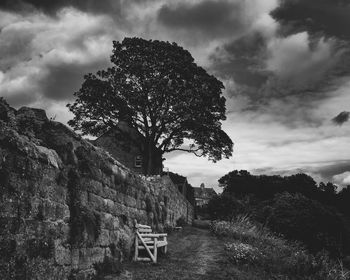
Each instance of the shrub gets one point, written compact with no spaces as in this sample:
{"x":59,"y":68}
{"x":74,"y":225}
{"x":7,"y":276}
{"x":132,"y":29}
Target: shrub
{"x":242,"y":253}
{"x":304,"y":219}
{"x":277,"y":258}
{"x":224,"y":207}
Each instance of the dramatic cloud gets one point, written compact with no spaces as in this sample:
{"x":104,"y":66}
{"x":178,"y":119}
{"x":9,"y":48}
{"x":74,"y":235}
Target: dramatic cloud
{"x":285,"y":65}
{"x":341,"y":118}
{"x":45,"y":57}
{"x":330,"y":17}
{"x":51,"y":7}
{"x":213,"y":18}
{"x":299,"y":66}
{"x":342,"y":179}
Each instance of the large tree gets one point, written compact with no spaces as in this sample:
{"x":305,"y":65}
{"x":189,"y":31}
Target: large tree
{"x":157,"y":88}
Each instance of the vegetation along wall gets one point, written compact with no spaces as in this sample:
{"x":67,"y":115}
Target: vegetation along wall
{"x":66,"y":206}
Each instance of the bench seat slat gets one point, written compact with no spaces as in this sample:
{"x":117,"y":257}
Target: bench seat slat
{"x":145,"y":230}
{"x":162,"y":243}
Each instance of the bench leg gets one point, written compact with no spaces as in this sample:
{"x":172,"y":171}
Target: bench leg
{"x":155,"y":250}
{"x":165,"y":249}
{"x":136,"y":249}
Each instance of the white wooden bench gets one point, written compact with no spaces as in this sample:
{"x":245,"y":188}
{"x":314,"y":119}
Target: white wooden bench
{"x":146,"y":240}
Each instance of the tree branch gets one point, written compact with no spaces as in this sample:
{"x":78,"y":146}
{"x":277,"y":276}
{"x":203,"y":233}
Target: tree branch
{"x":187,"y":150}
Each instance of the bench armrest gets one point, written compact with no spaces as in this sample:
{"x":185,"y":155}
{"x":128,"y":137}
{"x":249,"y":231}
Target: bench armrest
{"x":154,"y":235}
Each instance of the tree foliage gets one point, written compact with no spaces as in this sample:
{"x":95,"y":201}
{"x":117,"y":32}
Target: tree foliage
{"x":156,"y":88}
{"x":291,"y":205}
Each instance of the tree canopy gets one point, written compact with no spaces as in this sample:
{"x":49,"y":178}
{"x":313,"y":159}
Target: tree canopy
{"x":156,"y":88}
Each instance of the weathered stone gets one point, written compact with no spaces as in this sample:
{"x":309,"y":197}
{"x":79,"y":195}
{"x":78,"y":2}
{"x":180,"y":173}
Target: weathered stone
{"x":69,"y":188}
{"x":62,"y":211}
{"x":50,"y":156}
{"x":109,"y":204}
{"x":49,"y":210}
{"x":75,"y":258}
{"x":130,"y":201}
{"x":62,"y":255}
{"x":115,"y":223}
{"x":107,"y":221}
{"x":114,"y":237}
{"x":84,"y":262}
{"x":103,"y":239}
{"x":96,"y":202}
{"x":85,"y":274}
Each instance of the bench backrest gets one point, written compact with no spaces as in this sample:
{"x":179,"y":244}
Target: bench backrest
{"x":143,"y":228}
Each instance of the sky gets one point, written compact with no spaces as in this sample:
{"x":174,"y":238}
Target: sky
{"x":285,"y":66}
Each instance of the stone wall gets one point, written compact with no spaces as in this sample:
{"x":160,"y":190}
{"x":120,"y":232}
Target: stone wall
{"x":68,"y":207}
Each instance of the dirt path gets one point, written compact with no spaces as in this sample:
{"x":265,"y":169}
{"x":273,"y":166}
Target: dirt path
{"x":192,"y":254}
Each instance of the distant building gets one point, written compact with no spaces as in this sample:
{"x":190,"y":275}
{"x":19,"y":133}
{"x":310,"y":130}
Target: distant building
{"x":124,"y":147}
{"x":202,"y":195}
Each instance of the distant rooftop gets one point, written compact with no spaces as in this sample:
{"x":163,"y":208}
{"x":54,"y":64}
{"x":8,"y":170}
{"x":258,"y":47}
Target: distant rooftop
{"x":203,"y":192}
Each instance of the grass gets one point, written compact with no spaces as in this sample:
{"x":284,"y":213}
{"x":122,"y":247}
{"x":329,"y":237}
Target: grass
{"x":249,"y":245}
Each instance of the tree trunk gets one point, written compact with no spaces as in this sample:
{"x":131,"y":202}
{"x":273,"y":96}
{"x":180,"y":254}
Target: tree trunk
{"x":149,"y":160}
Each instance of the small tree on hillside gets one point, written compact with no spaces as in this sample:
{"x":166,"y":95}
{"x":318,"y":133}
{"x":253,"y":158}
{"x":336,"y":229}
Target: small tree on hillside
{"x":156,"y":88}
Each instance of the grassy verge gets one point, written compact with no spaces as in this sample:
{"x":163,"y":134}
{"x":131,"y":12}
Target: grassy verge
{"x":252,"y":247}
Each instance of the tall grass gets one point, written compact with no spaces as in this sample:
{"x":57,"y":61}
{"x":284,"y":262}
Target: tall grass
{"x":248,"y":243}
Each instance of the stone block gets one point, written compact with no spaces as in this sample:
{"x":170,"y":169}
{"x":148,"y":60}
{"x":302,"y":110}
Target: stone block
{"x":92,"y":186}
{"x":109,"y":193}
{"x":97,"y":254}
{"x":108,"y":252}
{"x":84,"y":258}
{"x":62,"y":255}
{"x":50,"y":156}
{"x":114,"y":237}
{"x":75,"y":258}
{"x":115,"y":223}
{"x":85,"y":274}
{"x":107,"y":220}
{"x":103,"y":238}
{"x":119,"y":198}
{"x":96,"y":202}
{"x":49,"y":210}
{"x":130,"y":201}
{"x":84,"y":198}
{"x":62,"y":231}
{"x":62,"y":212}
{"x":109,"y":205}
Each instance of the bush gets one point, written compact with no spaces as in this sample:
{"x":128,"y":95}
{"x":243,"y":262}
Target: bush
{"x":277,"y":258}
{"x":224,"y":207}
{"x":242,"y":253}
{"x":304,"y":219}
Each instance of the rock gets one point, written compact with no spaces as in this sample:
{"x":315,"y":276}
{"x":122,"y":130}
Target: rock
{"x":7,"y":114}
{"x":50,"y":156}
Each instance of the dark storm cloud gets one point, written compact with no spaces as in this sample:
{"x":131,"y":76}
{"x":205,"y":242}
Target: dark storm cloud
{"x":296,"y":66}
{"x":44,"y":58}
{"x":330,"y":17}
{"x":21,"y":98}
{"x":276,"y":72}
{"x":214,"y":18}
{"x":51,"y":7}
{"x":342,"y":118}
{"x":64,"y":79}
{"x":242,"y":60}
